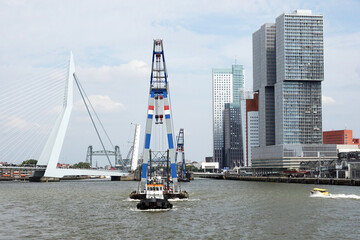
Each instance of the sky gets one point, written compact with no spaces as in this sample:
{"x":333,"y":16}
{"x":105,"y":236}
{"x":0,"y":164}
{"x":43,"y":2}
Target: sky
{"x":112,"y":46}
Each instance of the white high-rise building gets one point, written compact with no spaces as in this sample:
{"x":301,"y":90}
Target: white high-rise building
{"x":250,"y":125}
{"x":252,"y":133}
{"x":227,"y":86}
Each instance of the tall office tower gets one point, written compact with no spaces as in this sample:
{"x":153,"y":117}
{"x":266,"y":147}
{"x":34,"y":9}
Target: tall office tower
{"x":299,"y":72}
{"x":227,"y":84}
{"x":238,"y":84}
{"x":233,"y":143}
{"x":264,"y":75}
{"x":252,"y":134}
{"x":289,"y":91}
{"x":288,"y":70}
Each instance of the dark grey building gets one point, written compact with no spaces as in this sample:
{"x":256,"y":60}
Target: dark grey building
{"x":264,"y":75}
{"x":233,"y":145}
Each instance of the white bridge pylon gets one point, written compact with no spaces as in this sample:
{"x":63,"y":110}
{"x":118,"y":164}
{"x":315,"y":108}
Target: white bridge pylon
{"x":51,"y":152}
{"x":135,"y":155}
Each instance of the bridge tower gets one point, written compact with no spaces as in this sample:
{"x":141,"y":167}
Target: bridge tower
{"x":159,"y":107}
{"x":135,"y":148}
{"x":51,"y":152}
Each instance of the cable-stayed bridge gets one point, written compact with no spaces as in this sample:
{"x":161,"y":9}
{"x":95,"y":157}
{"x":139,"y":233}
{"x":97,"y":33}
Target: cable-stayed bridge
{"x":25,"y":119}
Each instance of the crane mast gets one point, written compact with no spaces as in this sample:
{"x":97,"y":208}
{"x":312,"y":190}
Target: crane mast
{"x":159,"y":112}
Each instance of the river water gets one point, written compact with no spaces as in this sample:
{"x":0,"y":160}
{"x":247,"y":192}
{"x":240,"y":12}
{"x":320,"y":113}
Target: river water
{"x":216,"y":209}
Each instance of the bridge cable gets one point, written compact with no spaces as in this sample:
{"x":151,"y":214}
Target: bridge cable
{"x":19,"y":122}
{"x":92,"y":120}
{"x":102,"y":126}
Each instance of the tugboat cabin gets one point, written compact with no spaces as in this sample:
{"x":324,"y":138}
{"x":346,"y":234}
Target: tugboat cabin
{"x":155,"y":191}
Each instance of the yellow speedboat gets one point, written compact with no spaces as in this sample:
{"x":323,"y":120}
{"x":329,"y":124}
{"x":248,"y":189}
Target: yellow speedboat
{"x":320,"y":190}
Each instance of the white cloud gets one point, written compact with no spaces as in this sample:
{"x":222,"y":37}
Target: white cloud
{"x":101,"y":104}
{"x":123,"y":72}
{"x":55,"y":110}
{"x":15,"y":122}
{"x":327,"y":100}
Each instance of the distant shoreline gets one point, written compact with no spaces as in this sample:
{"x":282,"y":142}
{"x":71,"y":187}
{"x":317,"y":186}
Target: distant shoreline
{"x":299,"y":180}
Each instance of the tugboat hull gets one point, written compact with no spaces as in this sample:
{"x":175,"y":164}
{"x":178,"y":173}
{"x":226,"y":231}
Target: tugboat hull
{"x":153,"y":203}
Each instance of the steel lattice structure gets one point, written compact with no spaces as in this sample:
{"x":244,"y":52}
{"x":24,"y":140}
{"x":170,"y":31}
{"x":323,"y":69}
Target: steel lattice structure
{"x":159,"y":108}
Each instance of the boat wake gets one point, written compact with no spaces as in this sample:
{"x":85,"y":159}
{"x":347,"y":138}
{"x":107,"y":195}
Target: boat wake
{"x":131,"y":200}
{"x":337,"y":196}
{"x":150,"y":210}
{"x":183,"y":200}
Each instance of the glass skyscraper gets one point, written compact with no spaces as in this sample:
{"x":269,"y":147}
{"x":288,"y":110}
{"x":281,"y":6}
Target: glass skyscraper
{"x":227,"y":86}
{"x":238,"y":84}
{"x":299,"y":72}
{"x":288,"y":59}
{"x":233,"y":143}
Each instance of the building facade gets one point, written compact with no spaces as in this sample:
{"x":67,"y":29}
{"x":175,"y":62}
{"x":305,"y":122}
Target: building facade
{"x":252,"y":137}
{"x":288,"y":59}
{"x":238,"y":85}
{"x":285,"y":156}
{"x":252,"y":127}
{"x":233,"y":136}
{"x":264,"y":75}
{"x":340,"y":137}
{"x":227,"y":86}
{"x":299,"y":73}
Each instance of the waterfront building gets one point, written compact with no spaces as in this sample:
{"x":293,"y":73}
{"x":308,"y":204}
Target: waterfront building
{"x":227,"y":87}
{"x":288,"y":59}
{"x":210,"y":166}
{"x":249,"y":126}
{"x":272,"y":159}
{"x":299,"y":73}
{"x":252,"y":127}
{"x":264,"y":79}
{"x":340,"y":137}
{"x":233,"y":144}
{"x":209,"y":159}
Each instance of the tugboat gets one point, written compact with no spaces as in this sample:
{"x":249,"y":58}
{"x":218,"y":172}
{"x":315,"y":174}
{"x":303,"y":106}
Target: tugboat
{"x":154,"y":198}
{"x":168,"y":192}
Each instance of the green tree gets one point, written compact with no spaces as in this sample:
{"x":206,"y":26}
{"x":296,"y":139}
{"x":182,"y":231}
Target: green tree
{"x":191,"y":168}
{"x":29,"y":162}
{"x":81,"y":165}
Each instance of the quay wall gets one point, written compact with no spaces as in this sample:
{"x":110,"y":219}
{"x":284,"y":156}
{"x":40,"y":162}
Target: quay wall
{"x":299,"y":180}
